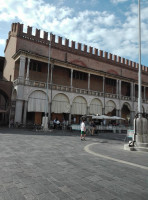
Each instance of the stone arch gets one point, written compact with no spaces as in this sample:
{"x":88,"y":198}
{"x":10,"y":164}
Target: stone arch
{"x":127,"y":104}
{"x":60,"y":103}
{"x":37,"y":101}
{"x":79,"y":106}
{"x":96,"y":106}
{"x":125,"y":111}
{"x":110,"y":108}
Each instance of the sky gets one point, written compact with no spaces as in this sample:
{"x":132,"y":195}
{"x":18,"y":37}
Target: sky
{"x":108,"y":25}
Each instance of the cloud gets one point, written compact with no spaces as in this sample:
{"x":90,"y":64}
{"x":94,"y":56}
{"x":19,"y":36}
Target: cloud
{"x":118,"y":1}
{"x":2,"y":41}
{"x":102,"y":30}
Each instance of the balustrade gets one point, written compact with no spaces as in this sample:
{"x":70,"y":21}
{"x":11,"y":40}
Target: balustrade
{"x":39,"y":84}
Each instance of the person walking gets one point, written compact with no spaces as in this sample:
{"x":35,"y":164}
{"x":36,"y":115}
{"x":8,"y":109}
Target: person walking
{"x":83,"y":130}
{"x":93,"y":126}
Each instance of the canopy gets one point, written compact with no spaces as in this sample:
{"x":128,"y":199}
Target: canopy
{"x":87,"y":116}
{"x":102,"y":117}
{"x":108,"y":117}
{"x":37,"y":102}
{"x":60,"y":104}
{"x":79,"y":106}
{"x":117,"y":118}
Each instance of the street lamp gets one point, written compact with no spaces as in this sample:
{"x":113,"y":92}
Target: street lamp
{"x":45,"y":118}
{"x":139,"y":74}
{"x":140,"y":123}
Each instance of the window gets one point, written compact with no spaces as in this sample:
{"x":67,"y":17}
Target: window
{"x":79,"y":75}
{"x":35,"y":66}
{"x":111,"y":82}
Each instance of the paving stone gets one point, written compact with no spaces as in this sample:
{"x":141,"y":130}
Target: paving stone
{"x":38,"y":188}
{"x":61,"y":195}
{"x":5,"y":196}
{"x":29,"y":197}
{"x":47,"y":166}
{"x":47,"y":196}
{"x":15,"y":194}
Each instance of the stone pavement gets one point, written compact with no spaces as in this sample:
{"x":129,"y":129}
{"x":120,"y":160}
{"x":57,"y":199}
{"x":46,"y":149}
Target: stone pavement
{"x":58,"y":166}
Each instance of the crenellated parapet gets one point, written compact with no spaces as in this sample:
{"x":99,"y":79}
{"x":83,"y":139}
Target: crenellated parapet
{"x":65,"y":44}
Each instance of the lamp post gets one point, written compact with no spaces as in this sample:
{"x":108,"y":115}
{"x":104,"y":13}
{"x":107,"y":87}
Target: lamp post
{"x":139,"y":74}
{"x":141,"y":123}
{"x":45,"y":118}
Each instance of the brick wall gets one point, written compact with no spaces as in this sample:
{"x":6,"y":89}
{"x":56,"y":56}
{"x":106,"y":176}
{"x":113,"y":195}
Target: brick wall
{"x":96,"y":83}
{"x":6,"y":87}
{"x":61,"y":76}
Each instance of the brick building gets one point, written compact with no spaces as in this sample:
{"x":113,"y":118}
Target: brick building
{"x":82,"y":80}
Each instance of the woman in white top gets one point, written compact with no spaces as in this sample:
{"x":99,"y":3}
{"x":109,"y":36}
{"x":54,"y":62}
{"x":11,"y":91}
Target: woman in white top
{"x":83,"y":129}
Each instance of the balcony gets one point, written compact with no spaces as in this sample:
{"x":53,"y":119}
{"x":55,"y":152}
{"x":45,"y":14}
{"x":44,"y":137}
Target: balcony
{"x":63,"y":88}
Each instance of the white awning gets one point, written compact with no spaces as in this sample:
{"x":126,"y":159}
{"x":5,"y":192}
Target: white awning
{"x":109,"y":107}
{"x":60,"y":104}
{"x":96,"y":107}
{"x":37,"y":102}
{"x":79,"y":106}
{"x":102,"y":117}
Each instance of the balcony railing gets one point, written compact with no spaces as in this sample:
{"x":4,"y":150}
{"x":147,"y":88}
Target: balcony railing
{"x":63,"y":88}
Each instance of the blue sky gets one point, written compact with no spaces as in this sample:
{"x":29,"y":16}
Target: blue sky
{"x":109,"y":25}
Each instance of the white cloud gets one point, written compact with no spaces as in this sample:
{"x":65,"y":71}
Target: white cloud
{"x":102,"y":30}
{"x":2,"y":42}
{"x":118,"y":1}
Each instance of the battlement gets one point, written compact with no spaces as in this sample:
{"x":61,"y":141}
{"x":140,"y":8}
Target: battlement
{"x":17,"y":29}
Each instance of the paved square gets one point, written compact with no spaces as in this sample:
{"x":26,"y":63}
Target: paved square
{"x":57,"y":165}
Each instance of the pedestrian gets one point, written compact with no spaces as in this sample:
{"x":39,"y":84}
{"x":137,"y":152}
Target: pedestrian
{"x":74,"y":120}
{"x":83,"y":130}
{"x":93,"y":127}
{"x":11,"y":123}
{"x":58,"y":124}
{"x":54,"y":123}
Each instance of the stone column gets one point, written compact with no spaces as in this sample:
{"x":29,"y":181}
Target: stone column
{"x":71,"y":78}
{"x":132,"y":91}
{"x":22,"y":67}
{"x":117,"y":88}
{"x":19,"y":103}
{"x":25,"y":112}
{"x":117,"y":112}
{"x":70,"y":114}
{"x":88,"y":109}
{"x":18,"y":111}
{"x":28,"y":65}
{"x":89,"y":81}
{"x":120,"y":89}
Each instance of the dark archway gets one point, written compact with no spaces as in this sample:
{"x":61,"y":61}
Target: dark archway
{"x":4,"y":108}
{"x":125,"y":112}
